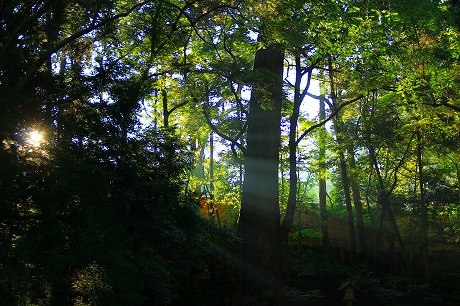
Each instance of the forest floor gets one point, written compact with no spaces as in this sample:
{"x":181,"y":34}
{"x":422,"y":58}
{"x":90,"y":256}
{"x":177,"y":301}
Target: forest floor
{"x":312,"y":276}
{"x":315,"y":278}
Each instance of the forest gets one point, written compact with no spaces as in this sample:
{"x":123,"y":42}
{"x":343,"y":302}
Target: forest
{"x":230,"y":152}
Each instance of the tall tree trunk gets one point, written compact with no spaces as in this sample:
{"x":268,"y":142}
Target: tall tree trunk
{"x":383,"y":200}
{"x":259,"y":269}
{"x":322,"y":179}
{"x":360,"y":233}
{"x":350,"y":217}
{"x":211,"y":163}
{"x":293,"y":177}
{"x":338,"y":124}
{"x":423,"y":208}
{"x":211,"y":208}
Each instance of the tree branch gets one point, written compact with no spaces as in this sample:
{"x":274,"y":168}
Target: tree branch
{"x":435,"y":105}
{"x":395,"y":178}
{"x":234,"y":142}
{"x":16,"y":32}
{"x":332,"y":115}
{"x":44,"y":57}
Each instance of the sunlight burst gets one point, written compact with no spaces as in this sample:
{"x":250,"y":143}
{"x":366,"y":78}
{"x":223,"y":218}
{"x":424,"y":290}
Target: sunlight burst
{"x":35,"y":138}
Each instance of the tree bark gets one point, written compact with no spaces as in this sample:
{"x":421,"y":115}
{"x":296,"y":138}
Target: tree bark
{"x":259,"y":269}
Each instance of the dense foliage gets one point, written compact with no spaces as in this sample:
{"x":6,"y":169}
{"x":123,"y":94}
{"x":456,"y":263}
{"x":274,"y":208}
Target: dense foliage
{"x":89,"y":225}
{"x":95,"y":208}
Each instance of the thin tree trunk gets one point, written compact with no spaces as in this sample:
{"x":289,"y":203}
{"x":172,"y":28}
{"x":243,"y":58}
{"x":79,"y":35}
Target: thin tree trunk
{"x":259,"y":269}
{"x":350,"y":217}
{"x":423,"y":208}
{"x":164,"y":100}
{"x":323,"y":214}
{"x":322,"y":180}
{"x":292,"y":198}
{"x":360,"y":233}
{"x":343,"y":166}
{"x":211,"y":162}
{"x":383,"y":199}
{"x":211,"y":207}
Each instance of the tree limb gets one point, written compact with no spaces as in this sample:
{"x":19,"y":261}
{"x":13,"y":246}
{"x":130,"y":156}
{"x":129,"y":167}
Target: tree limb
{"x":330,"y":117}
{"x":14,"y":34}
{"x":234,"y":141}
{"x":44,"y":57}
